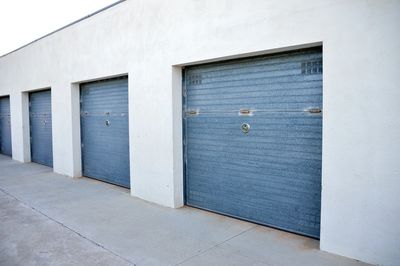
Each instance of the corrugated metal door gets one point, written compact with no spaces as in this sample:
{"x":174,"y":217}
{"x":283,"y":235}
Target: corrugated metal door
{"x":105,"y":131}
{"x":41,"y":127}
{"x":5,"y":126}
{"x":253,"y":138}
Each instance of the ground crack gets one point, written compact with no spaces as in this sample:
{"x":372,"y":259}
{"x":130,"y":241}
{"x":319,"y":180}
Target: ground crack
{"x":67,"y":227}
{"x":216,"y":245}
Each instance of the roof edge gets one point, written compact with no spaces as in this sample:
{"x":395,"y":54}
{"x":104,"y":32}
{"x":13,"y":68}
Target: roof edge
{"x":66,"y":26}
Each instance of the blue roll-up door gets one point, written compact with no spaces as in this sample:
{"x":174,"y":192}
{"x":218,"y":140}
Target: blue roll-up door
{"x":105,"y":131}
{"x":5,"y":126}
{"x":253,"y":139}
{"x":41,"y":127}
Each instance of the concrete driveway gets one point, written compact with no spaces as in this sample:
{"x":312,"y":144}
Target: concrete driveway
{"x":50,"y":219}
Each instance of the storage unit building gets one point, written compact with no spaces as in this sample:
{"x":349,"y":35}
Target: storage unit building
{"x":252,"y":143}
{"x":40,"y":120}
{"x":105,"y":131}
{"x":254,"y":138}
{"x":5,"y":126}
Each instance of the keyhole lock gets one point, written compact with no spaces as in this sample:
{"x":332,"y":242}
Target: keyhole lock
{"x":107,"y":123}
{"x":245,"y":128}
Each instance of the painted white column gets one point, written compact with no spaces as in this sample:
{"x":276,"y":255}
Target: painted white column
{"x":131,"y":120}
{"x":177,"y":137}
{"x":66,"y":129}
{"x":20,"y":136}
{"x":155,"y":135}
{"x":76,"y":131}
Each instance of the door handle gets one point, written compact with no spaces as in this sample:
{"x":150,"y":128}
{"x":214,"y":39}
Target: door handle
{"x":316,"y":110}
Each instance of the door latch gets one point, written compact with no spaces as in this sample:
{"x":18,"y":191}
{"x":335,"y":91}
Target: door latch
{"x":245,"y":128}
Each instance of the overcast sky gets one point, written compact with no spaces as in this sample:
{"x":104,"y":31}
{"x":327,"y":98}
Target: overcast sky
{"x":22,"y":21}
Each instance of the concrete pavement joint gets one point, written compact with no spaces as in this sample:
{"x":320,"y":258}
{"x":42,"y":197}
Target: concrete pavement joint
{"x":68,"y":228}
{"x":216,"y":245}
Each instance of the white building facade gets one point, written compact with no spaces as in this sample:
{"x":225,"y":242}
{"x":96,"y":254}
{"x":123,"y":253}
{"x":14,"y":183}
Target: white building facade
{"x":150,"y":42}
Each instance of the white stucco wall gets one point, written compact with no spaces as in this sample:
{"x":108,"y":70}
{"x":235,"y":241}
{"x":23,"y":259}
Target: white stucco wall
{"x":150,"y":39}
